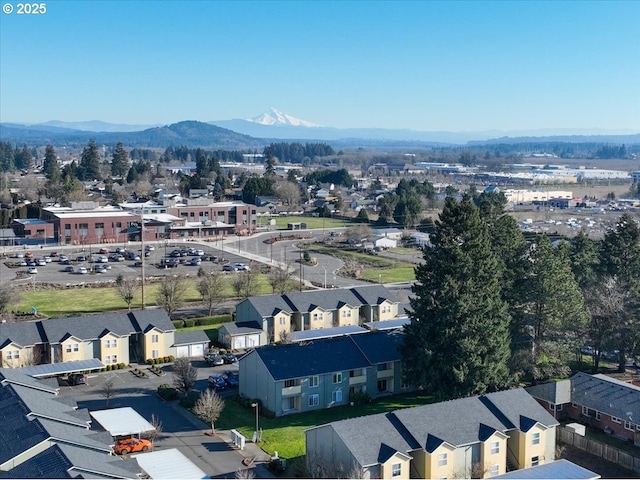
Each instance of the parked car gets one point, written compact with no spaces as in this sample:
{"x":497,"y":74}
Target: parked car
{"x":32,"y":270}
{"x":104,"y":251}
{"x":63,"y":258}
{"x":121,"y":250}
{"x":228,"y":267}
{"x":198,"y":253}
{"x":41,"y":262}
{"x":137,"y":263}
{"x":28,"y":255}
{"x":229,"y":358}
{"x":130,"y":445}
{"x":47,"y":259}
{"x":81,"y":258}
{"x":68,"y":268}
{"x":196,"y":262}
{"x":82,"y":270}
{"x":217,"y":382}
{"x":102,"y":259}
{"x":100,"y":269}
{"x":241,"y":266}
{"x":214,"y":359}
{"x":231,"y":378}
{"x":73,"y":379}
{"x":149,"y":248}
{"x":53,"y":254}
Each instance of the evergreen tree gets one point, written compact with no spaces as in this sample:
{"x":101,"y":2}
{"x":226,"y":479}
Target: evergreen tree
{"x":89,"y":168}
{"x":457,"y":343}
{"x":270,"y":163}
{"x":583,"y":254}
{"x":119,"y":161}
{"x":550,"y":311}
{"x":23,"y":158}
{"x":50,"y":166}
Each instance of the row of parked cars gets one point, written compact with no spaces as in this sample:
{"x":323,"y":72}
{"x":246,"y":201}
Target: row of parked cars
{"x":222,"y":381}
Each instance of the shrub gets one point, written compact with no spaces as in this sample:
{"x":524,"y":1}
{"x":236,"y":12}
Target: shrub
{"x":360,"y":398}
{"x":178,"y":323}
{"x":189,"y":323}
{"x":121,"y":366}
{"x":165,"y":359}
{"x":167,"y":392}
{"x":150,"y":361}
{"x":190,"y":400}
{"x":171,"y":358}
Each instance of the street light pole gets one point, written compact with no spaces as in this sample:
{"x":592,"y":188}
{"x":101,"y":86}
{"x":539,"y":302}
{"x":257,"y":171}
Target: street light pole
{"x":255,"y":405}
{"x":142,"y":256}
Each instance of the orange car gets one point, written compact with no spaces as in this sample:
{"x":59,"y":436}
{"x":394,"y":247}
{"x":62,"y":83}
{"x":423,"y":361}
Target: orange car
{"x":129,"y":445}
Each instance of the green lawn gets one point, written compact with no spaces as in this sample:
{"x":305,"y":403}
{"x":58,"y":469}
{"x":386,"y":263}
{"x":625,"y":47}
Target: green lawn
{"x":286,"y":434}
{"x":78,"y":301}
{"x":312,"y":222}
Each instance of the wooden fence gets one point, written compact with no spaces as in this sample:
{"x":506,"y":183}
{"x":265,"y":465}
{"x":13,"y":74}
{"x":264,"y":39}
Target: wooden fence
{"x":599,"y":449}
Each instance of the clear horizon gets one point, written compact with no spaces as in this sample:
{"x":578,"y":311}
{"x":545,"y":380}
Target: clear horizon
{"x":429,"y":66}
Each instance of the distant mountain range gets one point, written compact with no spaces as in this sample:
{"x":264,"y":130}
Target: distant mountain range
{"x":273,"y":126}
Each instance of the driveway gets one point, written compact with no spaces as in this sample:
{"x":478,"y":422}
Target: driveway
{"x":180,"y":429}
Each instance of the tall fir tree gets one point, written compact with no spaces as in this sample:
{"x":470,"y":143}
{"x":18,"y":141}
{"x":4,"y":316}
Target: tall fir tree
{"x":50,"y":166}
{"x":89,"y":167}
{"x":583,"y":254}
{"x":270,"y":163}
{"x":119,"y":161}
{"x":551,"y":316}
{"x":457,"y":343}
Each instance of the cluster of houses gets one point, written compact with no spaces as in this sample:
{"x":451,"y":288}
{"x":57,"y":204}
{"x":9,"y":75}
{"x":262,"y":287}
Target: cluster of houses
{"x":308,"y":351}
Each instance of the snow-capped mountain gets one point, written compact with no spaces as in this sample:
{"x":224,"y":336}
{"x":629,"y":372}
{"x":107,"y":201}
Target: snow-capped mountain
{"x":276,"y":118}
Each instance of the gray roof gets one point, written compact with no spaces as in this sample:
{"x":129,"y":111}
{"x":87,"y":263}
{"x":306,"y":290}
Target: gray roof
{"x":458,"y":422}
{"x":18,"y":433}
{"x":267,"y":305}
{"x":553,"y":470}
{"x":46,"y":405}
{"x":327,"y":355}
{"x":191,"y":337}
{"x":70,"y":434}
{"x":557,"y":393}
{"x":89,"y":327}
{"x":150,"y":318}
{"x":466,"y":420}
{"x":51,"y":369}
{"x":387,"y":324}
{"x":383,"y":438}
{"x":68,"y":461}
{"x":606,"y":395}
{"x":22,"y":333}
{"x":17,"y":376}
{"x":243,"y":329}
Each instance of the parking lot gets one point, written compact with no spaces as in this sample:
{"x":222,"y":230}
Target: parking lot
{"x":180,"y":429}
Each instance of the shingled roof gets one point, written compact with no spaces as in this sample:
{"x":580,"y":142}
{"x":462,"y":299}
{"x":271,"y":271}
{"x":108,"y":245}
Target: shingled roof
{"x":89,"y":327}
{"x":23,"y":334}
{"x":606,"y":395}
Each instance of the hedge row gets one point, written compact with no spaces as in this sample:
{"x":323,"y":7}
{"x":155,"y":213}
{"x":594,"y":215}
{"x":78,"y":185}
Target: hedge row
{"x":196,"y":322}
{"x":160,"y":360}
{"x":113,"y":366}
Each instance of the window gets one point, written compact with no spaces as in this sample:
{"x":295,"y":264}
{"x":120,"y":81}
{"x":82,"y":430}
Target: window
{"x":628,"y":425}
{"x":289,"y":383}
{"x":155,"y":338}
{"x":282,"y":320}
{"x":615,"y":419}
{"x":99,"y":229}
{"x":317,"y":316}
{"x":396,"y":470}
{"x":535,"y":461}
{"x":597,"y":415}
{"x":495,"y":448}
{"x":585,"y":411}
{"x":314,"y":400}
{"x":494,"y":470}
{"x":337,"y":377}
{"x":314,"y":381}
{"x":336,"y":396}
{"x":111,"y":343}
{"x":383,"y":366}
{"x":13,"y":354}
{"x":289,"y":403}
{"x":114,"y":359}
{"x":535,"y":438}
{"x":68,"y":350}
{"x":155,"y":353}
{"x":559,"y":408}
{"x":346,"y":313}
{"x":442,"y":460}
{"x":107,"y":359}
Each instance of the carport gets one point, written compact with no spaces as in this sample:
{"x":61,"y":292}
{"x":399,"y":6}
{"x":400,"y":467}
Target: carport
{"x":169,"y":463}
{"x":122,"y":422}
{"x":63,"y":368}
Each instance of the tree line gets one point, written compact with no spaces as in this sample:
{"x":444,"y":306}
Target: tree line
{"x":297,"y":152}
{"x":491,"y":309}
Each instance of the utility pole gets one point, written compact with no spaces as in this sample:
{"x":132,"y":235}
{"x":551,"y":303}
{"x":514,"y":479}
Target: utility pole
{"x":142,"y":256}
{"x":301,"y":269}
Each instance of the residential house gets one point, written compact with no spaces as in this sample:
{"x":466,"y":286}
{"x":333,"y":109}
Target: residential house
{"x":112,"y":338}
{"x":46,"y":436}
{"x":268,"y":317}
{"x":323,"y":373}
{"x":476,"y":437}
{"x":599,"y":401}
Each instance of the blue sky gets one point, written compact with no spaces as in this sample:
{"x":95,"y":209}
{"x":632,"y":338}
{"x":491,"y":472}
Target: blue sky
{"x":423,"y":65}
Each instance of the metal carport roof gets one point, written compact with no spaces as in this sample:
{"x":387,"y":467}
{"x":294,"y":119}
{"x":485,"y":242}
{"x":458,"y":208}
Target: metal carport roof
{"x":121,"y":422}
{"x":169,"y":463}
{"x":53,"y":369}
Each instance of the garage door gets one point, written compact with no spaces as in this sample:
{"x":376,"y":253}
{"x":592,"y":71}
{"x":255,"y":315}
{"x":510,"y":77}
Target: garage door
{"x":183,"y":351}
{"x":197,"y":350}
{"x":238,"y":342}
{"x":253,"y":341}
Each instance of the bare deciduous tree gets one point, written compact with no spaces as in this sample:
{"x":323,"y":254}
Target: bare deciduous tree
{"x":8,"y":296}
{"x":171,"y":293}
{"x":357,"y":233}
{"x":281,"y":280}
{"x":211,"y":288}
{"x":184,"y":375}
{"x":157,"y":428}
{"x":208,"y":407}
{"x":245,"y":284}
{"x":127,"y":289}
{"x":107,"y":390}
{"x":245,"y":473}
{"x":284,"y":336}
{"x":288,"y":192}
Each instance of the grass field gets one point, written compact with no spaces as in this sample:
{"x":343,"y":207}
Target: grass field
{"x":78,"y":301}
{"x":312,"y":222}
{"x":286,"y":434}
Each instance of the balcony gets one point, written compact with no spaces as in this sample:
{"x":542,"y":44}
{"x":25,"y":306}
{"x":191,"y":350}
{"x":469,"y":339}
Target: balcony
{"x":357,"y":380}
{"x":288,"y":391}
{"x":385,"y":373}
